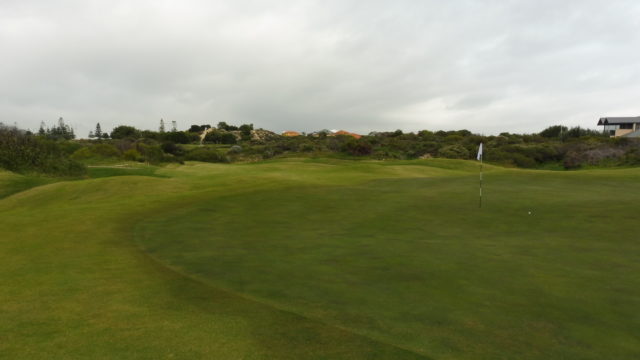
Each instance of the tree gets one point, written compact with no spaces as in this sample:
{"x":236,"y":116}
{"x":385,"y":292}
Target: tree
{"x":245,"y":130}
{"x":98,"y":132}
{"x":220,"y":137}
{"x":178,"y":137}
{"x":224,"y":126}
{"x":60,"y":132}
{"x":42,"y":131}
{"x":195,"y":129}
{"x":124,"y":131}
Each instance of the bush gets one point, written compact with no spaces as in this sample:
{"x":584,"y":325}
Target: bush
{"x":124,"y":132}
{"x":220,"y":137}
{"x":235,"y":149}
{"x":206,"y":154}
{"x":523,"y":161}
{"x":21,"y":152}
{"x":178,"y":137}
{"x":454,"y":152}
{"x":173,"y":149}
{"x":150,"y":153}
{"x":132,"y":155}
{"x":96,"y":151}
{"x":553,"y":131}
{"x":358,"y":147}
{"x":584,"y":154}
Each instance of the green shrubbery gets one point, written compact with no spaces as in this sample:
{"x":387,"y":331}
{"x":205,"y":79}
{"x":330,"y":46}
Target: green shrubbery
{"x":96,"y":151}
{"x":572,"y":148}
{"x":206,"y":154}
{"x":220,"y":137}
{"x":22,"y":152}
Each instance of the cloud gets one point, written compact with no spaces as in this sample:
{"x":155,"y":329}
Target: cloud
{"x":487,"y":66}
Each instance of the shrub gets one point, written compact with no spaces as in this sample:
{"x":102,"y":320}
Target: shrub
{"x":358,"y":147}
{"x":132,"y":155}
{"x":206,"y":154}
{"x":220,"y":137}
{"x":123,"y":132}
{"x":553,"y":131}
{"x":173,"y":149}
{"x":178,"y":137}
{"x":21,"y":152}
{"x":96,"y":151}
{"x":235,"y":149}
{"x":454,"y":152}
{"x":150,"y":153}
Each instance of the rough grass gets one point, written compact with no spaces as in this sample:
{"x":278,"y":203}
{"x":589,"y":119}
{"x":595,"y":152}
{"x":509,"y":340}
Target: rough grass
{"x":323,"y":259}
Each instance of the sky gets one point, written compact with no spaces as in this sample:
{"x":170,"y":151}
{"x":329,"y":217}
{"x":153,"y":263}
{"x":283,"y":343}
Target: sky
{"x":488,"y":66}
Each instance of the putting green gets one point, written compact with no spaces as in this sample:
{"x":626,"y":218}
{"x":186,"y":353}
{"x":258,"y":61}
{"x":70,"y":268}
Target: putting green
{"x":542,"y":271}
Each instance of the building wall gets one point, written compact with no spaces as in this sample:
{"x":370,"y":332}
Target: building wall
{"x":621,"y":132}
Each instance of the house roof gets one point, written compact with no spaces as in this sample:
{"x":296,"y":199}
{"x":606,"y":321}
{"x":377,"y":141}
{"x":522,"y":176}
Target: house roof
{"x":618,"y":120}
{"x":291,"y":133}
{"x":342,"y":132}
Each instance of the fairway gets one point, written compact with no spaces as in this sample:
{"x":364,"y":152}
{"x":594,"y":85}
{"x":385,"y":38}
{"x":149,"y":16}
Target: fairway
{"x":322,"y":259}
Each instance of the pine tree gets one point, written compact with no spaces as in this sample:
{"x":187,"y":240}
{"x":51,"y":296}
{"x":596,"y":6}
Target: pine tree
{"x":42,"y":131}
{"x":98,"y":132}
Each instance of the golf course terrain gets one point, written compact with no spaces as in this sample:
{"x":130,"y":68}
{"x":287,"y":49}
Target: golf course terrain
{"x":321,"y":259}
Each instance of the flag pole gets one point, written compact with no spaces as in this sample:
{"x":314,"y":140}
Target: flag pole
{"x":479,"y":157}
{"x":480,"y":182}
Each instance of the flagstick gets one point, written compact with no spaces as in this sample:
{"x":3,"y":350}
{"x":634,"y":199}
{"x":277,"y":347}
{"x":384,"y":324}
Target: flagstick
{"x":480,"y":205}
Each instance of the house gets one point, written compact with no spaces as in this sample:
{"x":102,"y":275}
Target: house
{"x":291,"y":133}
{"x":621,"y":126}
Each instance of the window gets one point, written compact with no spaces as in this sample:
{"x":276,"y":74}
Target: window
{"x":626,"y":126}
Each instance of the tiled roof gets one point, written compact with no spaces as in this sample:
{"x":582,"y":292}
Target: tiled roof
{"x":342,"y":132}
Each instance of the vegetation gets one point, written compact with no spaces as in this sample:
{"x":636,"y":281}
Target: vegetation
{"x":556,"y":147}
{"x":60,"y":132}
{"x":23,"y":153}
{"x":342,"y":260}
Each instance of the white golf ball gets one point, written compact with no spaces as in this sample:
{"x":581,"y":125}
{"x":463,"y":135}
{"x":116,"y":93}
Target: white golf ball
{"x":529,"y":212}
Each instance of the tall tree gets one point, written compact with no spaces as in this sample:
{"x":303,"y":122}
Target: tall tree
{"x":98,"y":132}
{"x":42,"y":131}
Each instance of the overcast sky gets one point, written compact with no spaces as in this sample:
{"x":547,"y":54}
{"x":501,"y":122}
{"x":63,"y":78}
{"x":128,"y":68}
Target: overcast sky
{"x":487,"y":66}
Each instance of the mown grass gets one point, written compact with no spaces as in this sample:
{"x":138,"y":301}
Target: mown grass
{"x":323,"y":259}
